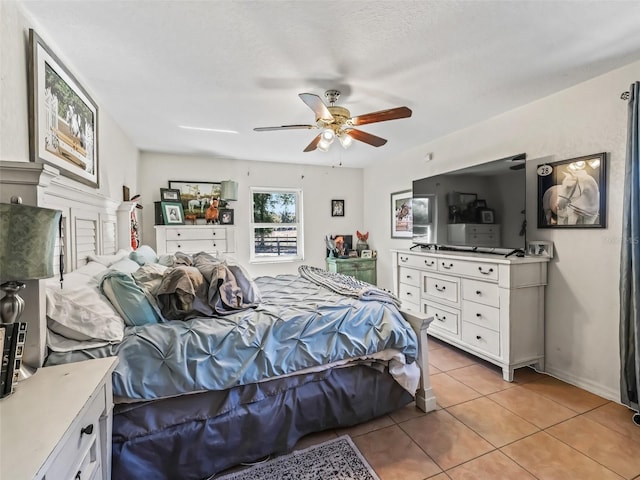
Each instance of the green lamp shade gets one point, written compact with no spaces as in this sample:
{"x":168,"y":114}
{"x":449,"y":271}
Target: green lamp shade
{"x":228,"y":190}
{"x":27,"y":241}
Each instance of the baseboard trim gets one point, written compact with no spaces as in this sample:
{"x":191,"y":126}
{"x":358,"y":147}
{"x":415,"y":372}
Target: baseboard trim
{"x":589,"y":386}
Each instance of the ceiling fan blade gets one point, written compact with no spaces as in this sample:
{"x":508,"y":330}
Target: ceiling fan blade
{"x":366,"y":137}
{"x":284,"y":127}
{"x":315,"y":103}
{"x":382,"y":116}
{"x":314,"y":144}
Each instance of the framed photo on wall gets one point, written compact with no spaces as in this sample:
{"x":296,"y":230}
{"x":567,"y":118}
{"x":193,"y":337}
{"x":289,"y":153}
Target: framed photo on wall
{"x":573,"y":193}
{"x":63,"y":118}
{"x":401,"y":214}
{"x":169,"y":195}
{"x":172,"y":213}
{"x":195,"y":196}
{"x":337,"y":208}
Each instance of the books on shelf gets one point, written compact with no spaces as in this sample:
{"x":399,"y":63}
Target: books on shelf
{"x":13,"y":336}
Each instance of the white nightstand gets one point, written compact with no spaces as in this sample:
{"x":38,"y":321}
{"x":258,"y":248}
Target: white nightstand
{"x":57,"y":425}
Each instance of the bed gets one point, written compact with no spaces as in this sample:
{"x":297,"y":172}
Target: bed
{"x":200,"y":393}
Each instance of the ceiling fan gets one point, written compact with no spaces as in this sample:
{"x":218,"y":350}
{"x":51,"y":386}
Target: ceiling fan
{"x":337,"y":122}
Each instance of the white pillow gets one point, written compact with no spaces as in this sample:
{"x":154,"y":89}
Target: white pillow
{"x":108,"y":260}
{"x":125,"y":265}
{"x":83,"y":314}
{"x":89,"y":274}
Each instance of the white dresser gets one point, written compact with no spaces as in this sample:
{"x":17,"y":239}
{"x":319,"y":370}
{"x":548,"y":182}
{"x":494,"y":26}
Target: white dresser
{"x":487,"y":305}
{"x":213,"y":239}
{"x":58,"y":423}
{"x":475,"y":234}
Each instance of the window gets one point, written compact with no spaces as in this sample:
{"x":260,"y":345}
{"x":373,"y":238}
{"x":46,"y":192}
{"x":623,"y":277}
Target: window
{"x":276,"y":225}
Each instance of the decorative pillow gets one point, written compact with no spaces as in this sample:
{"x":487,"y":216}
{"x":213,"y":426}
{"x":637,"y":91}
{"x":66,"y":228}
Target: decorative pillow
{"x":108,"y":260}
{"x":143,"y":255}
{"x":125,"y":265}
{"x":128,"y":299}
{"x":82,"y":314}
{"x":87,"y":275}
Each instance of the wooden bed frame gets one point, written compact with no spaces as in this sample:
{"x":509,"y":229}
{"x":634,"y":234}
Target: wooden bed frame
{"x":95,"y":224}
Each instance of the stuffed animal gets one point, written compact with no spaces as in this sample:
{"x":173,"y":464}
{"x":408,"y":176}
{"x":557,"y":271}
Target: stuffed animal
{"x":362,"y":242}
{"x":363,"y":237}
{"x":212,"y":214}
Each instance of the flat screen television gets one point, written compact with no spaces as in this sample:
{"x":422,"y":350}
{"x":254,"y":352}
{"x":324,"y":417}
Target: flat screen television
{"x":479,"y":208}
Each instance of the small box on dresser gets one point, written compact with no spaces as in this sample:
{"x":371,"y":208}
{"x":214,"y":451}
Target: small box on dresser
{"x":58,"y":423}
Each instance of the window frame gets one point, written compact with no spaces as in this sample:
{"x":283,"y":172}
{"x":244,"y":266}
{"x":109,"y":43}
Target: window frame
{"x":299,"y":225}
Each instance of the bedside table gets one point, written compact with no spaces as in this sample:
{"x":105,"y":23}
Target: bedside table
{"x":57,"y":424}
{"x":361,"y":268}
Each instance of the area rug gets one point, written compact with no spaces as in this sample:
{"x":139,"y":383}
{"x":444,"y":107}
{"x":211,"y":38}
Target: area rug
{"x":337,"y":459}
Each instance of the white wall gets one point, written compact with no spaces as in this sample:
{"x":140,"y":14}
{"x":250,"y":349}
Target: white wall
{"x":117,"y":155}
{"x":582,"y":299}
{"x":319,"y":184}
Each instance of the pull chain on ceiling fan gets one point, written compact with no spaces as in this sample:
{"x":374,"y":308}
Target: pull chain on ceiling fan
{"x":337,"y":122}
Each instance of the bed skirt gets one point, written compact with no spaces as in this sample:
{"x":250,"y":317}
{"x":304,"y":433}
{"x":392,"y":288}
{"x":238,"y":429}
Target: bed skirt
{"x":195,"y":436}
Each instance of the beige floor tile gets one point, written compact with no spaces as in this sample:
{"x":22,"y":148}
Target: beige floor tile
{"x":492,"y":422}
{"x":394,"y":456}
{"x":440,"y":476}
{"x":571,"y":397}
{"x":366,"y":427}
{"x":433,"y":370}
{"x":450,"y":391}
{"x":481,"y":378}
{"x":616,"y":417}
{"x":492,"y":466}
{"x":608,"y":447}
{"x":445,"y":439}
{"x":314,"y":439}
{"x":534,"y":408}
{"x":550,"y":459}
{"x":405,"y":413}
{"x":447,"y":358}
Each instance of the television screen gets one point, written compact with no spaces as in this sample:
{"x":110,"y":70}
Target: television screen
{"x":480,"y":207}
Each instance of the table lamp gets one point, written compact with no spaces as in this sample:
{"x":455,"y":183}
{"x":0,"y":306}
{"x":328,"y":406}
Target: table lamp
{"x":27,"y":244}
{"x":228,"y":191}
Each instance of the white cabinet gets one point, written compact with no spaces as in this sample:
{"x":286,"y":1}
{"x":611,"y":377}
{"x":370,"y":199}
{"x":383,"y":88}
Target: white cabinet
{"x":474,"y":234}
{"x":212,"y":239}
{"x":58,"y":423}
{"x":487,"y":305}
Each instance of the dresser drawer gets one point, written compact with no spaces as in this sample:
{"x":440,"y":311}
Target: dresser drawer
{"x":481,"y":292}
{"x":443,"y":318}
{"x":481,"y":338}
{"x":410,"y":306}
{"x":482,"y":315}
{"x":484,"y":270}
{"x":409,"y":276}
{"x":81,"y":451}
{"x":409,"y":293}
{"x":417,"y":261}
{"x":441,"y":289}
{"x":195,"y":233}
{"x":195,"y":246}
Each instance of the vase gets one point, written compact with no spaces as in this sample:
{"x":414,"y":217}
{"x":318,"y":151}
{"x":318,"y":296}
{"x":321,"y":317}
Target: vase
{"x":361,"y":246}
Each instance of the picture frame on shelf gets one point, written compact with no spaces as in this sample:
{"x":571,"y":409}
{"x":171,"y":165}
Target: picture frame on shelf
{"x":366,"y":254}
{"x":196,"y":196}
{"x":63,"y":118}
{"x":401,"y":214}
{"x":226,"y":216}
{"x":573,"y":193}
{"x":540,"y":248}
{"x":337,"y":208}
{"x":486,"y":215}
{"x":172,"y":213}
{"x":170,"y":195}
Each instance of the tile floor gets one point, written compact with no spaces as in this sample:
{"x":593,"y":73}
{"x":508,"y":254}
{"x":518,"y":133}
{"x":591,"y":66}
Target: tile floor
{"x":487,"y":429}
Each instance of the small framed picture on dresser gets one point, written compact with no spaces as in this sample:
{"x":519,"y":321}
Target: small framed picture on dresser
{"x":366,"y":254}
{"x":172,"y":213}
{"x":539,"y":248}
{"x":226,"y":216}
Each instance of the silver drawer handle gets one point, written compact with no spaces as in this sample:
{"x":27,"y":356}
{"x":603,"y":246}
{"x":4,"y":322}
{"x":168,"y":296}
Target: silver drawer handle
{"x":448,"y":267}
{"x":485,"y":273}
{"x":440,"y":289}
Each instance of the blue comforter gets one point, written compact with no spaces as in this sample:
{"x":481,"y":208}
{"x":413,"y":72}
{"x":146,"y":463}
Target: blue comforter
{"x":297,"y":325}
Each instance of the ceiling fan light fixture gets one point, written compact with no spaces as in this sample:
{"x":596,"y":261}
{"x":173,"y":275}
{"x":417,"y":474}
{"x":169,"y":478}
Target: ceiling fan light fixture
{"x":328,"y":135}
{"x":323,"y":145}
{"x":345,"y":140}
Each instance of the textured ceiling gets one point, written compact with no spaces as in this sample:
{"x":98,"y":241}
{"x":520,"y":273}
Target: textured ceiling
{"x":235,"y":65}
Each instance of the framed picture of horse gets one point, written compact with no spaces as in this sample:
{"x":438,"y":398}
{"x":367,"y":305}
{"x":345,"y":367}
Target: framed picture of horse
{"x":195,"y":196}
{"x":401,"y":214}
{"x":63,"y":119}
{"x":573,"y":193}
